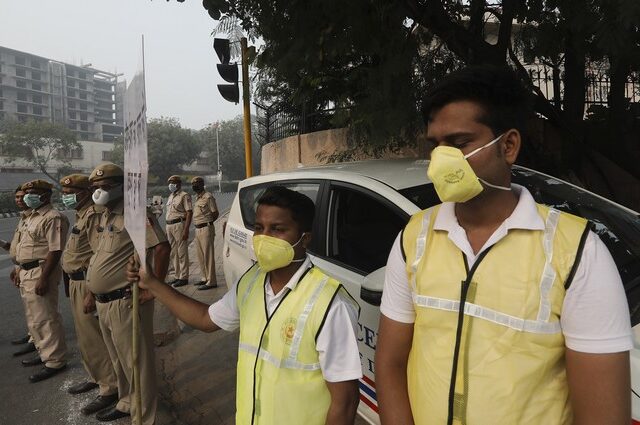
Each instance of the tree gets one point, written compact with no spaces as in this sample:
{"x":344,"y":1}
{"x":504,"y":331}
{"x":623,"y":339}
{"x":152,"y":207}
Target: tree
{"x":39,"y":143}
{"x":231,"y":140}
{"x":169,"y":147}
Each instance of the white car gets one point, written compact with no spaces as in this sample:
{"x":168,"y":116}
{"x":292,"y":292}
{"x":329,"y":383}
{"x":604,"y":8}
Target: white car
{"x":362,"y":206}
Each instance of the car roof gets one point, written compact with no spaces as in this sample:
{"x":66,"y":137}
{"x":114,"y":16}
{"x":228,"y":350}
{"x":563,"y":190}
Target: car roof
{"x":397,"y":173}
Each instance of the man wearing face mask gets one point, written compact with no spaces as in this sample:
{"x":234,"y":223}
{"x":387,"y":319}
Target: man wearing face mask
{"x":497,"y":309}
{"x":298,"y":359}
{"x":204,"y":216}
{"x":107,"y":280}
{"x":12,"y":246}
{"x":83,"y":240}
{"x":178,"y":219}
{"x":38,"y":255}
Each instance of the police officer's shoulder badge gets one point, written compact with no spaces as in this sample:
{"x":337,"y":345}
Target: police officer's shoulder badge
{"x":288,"y":329}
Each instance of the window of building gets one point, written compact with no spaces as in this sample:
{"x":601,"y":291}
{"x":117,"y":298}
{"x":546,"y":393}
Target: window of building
{"x":1,"y":105}
{"x":36,"y":75}
{"x":84,"y":127}
{"x":21,"y":84}
{"x":71,"y":104}
{"x":83,"y":106}
{"x":37,"y":110}
{"x":35,"y":64}
{"x":36,"y":98}
{"x":21,"y":73}
{"x":72,"y":115}
{"x":20,"y":60}
{"x":0,"y":92}
{"x":72,"y":125}
{"x":71,"y":93}
{"x":107,"y":155}
{"x":36,"y":86}
{"x":82,"y":75}
{"x":83,"y":117}
{"x":82,"y":85}
{"x":22,"y":96}
{"x":70,"y":83}
{"x":22,"y":108}
{"x":83,"y":96}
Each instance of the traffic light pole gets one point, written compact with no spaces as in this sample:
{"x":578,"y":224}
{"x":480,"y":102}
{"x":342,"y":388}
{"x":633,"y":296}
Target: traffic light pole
{"x":246,"y":108}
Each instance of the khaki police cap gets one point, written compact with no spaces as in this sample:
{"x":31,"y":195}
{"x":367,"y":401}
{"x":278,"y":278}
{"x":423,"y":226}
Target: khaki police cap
{"x":175,"y":179}
{"x":76,"y":181}
{"x":197,"y":179}
{"x":106,"y":170}
{"x":37,"y":184}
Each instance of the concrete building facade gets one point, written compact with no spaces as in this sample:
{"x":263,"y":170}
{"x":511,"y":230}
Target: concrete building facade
{"x":87,"y":100}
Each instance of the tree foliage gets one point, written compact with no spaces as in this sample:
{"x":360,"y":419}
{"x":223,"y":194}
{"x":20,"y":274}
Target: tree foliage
{"x":231,"y":141}
{"x":40,"y":144}
{"x":169,"y":147}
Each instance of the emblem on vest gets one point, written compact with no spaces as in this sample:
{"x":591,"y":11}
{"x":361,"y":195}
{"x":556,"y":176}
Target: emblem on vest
{"x":454,"y":177}
{"x":288,"y":330}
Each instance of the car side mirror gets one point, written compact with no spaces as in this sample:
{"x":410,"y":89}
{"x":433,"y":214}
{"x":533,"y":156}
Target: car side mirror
{"x":371,"y":291}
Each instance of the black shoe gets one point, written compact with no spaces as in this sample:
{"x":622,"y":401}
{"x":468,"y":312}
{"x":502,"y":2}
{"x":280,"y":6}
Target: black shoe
{"x":21,"y":341}
{"x":100,"y":403}
{"x":207,"y":286}
{"x":82,"y":387}
{"x":180,"y":282}
{"x":35,"y":361}
{"x":172,"y":282}
{"x":29,"y":348}
{"x":202,"y":282}
{"x":111,"y":415}
{"x":46,"y":373}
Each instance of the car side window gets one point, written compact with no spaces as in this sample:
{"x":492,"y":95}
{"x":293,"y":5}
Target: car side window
{"x":249,"y":197}
{"x":362,"y":229}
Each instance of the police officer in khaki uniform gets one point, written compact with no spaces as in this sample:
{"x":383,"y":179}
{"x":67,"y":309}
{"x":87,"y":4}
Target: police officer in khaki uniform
{"x":205,"y":213}
{"x":179,"y":212}
{"x":38,"y":254}
{"x":12,"y":248}
{"x":107,"y":280}
{"x":82,"y":241}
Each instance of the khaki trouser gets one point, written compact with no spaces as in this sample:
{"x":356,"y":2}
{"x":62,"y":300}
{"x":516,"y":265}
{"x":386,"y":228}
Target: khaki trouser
{"x":43,"y":319}
{"x":205,"y":244}
{"x":95,"y":357}
{"x":115,"y":321}
{"x":179,"y":250}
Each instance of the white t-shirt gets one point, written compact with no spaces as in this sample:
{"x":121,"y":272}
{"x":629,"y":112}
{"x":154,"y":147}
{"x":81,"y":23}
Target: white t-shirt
{"x":595,"y":314}
{"x":337,"y":342}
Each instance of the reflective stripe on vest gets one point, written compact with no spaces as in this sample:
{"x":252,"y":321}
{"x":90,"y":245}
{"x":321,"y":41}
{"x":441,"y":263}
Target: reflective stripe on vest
{"x":277,"y":358}
{"x":502,"y":359}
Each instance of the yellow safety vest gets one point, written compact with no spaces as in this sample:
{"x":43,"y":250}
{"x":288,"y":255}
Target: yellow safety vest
{"x":502,"y":361}
{"x":279,"y":381}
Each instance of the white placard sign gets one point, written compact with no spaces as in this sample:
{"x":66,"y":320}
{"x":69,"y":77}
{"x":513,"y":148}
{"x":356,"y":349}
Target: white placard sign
{"x":136,"y":166}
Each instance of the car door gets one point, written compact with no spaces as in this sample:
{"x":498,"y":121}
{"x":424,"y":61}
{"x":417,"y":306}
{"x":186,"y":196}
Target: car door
{"x":361,"y":225}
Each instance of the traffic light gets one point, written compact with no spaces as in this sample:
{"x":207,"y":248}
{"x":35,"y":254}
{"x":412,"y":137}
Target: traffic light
{"x":228,"y":72}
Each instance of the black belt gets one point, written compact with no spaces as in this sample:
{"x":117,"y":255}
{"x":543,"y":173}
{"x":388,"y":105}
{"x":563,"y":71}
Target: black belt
{"x":201,"y":225}
{"x":177,"y":220}
{"x":118,"y":294}
{"x":78,"y":275}
{"x":30,"y":265}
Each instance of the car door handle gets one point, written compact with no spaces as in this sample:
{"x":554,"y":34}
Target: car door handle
{"x":371,"y":297}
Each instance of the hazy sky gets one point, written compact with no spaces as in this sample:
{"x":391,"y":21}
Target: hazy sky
{"x":181,"y":75}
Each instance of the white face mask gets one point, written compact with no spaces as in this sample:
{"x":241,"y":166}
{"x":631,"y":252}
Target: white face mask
{"x":173,"y":187}
{"x":102,"y":197}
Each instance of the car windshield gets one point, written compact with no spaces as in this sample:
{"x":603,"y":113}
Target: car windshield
{"x":618,"y":228}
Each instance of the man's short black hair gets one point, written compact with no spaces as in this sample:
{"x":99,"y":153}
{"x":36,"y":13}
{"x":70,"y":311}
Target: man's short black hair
{"x":301,"y":207}
{"x":18,"y":189}
{"x":498,"y":90}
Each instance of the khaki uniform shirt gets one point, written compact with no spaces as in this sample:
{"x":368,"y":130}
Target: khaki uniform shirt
{"x":107,"y":268}
{"x":45,"y":230}
{"x":82,"y":240}
{"x":178,"y":204}
{"x":205,"y":208}
{"x":13,"y":249}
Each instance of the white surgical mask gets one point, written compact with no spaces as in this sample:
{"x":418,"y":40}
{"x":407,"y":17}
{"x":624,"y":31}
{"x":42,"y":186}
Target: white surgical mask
{"x":102,"y":197}
{"x":173,"y":187}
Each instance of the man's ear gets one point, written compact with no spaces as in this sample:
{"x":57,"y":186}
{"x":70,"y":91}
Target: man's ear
{"x":306,"y":239}
{"x":511,"y":145}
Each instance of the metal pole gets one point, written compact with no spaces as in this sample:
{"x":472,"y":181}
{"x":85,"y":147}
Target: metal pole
{"x":218,"y":154}
{"x":246,"y":108}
